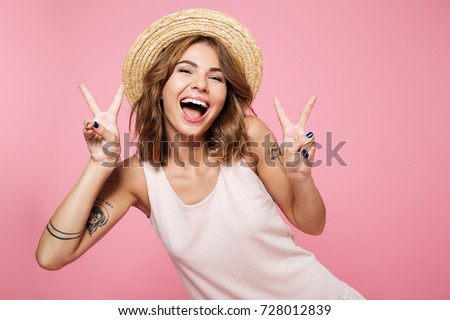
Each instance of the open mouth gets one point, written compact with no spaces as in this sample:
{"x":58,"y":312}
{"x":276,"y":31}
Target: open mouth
{"x":194,"y":109}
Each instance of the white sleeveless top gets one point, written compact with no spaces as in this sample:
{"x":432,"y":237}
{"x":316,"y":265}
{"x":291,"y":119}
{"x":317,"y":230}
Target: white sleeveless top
{"x":233,"y":244}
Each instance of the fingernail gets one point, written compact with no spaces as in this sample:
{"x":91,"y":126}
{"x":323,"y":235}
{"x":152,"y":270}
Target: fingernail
{"x":95,"y":124}
{"x":303,"y":152}
{"x":306,"y":155}
{"x":309,"y":135}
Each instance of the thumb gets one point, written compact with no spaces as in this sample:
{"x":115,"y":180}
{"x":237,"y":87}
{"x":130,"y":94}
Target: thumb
{"x":103,"y":132}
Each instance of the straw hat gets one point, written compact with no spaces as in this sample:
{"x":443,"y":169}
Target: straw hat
{"x":145,"y":50}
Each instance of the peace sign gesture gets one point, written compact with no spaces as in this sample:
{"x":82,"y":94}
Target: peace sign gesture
{"x":101,"y":133}
{"x":298,"y":146}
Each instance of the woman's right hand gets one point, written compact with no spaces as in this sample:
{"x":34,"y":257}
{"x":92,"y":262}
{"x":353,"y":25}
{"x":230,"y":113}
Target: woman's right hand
{"x":102,"y":133}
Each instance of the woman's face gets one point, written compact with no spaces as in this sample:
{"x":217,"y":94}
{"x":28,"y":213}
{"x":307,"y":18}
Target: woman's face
{"x":195,"y":93}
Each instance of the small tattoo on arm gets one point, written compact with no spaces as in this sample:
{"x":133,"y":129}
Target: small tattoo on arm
{"x":99,"y":216}
{"x":276,"y":154}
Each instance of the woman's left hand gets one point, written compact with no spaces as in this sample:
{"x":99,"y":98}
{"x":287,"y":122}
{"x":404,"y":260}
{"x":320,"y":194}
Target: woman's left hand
{"x":298,"y":148}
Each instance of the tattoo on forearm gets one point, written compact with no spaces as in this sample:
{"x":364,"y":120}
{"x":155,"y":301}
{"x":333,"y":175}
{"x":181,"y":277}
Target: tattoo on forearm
{"x":99,"y":215}
{"x":61,"y":235}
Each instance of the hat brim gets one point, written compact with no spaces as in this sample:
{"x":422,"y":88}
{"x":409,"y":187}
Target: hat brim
{"x":145,"y":50}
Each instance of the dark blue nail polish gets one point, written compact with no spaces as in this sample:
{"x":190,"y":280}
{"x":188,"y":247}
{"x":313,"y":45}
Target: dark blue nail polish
{"x":95,"y":124}
{"x":306,"y":156}
{"x":309,"y":135}
{"x":303,"y":152}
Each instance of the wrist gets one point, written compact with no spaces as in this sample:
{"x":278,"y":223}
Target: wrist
{"x":101,"y":167}
{"x":299,"y":179}
{"x":104,"y":163}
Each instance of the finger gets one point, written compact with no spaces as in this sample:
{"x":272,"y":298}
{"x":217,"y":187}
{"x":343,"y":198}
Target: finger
{"x":88,"y":136}
{"x":308,"y":159}
{"x":282,"y":117}
{"x":88,"y":131}
{"x":89,"y":99}
{"x":117,"y":101}
{"x":312,"y":153}
{"x":306,"y":111}
{"x":104,"y":133}
{"x":88,"y":123}
{"x":307,"y":149}
{"x":308,"y":144}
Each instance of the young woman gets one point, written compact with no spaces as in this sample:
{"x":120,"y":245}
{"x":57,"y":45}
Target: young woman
{"x":207,"y":174}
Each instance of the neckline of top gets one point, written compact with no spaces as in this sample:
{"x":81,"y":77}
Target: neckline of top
{"x":205,"y":199}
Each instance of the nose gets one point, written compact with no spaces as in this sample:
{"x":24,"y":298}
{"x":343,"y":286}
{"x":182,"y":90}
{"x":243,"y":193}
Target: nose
{"x":200,"y":83}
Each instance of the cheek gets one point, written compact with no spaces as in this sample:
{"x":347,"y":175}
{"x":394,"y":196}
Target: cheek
{"x":169,"y":92}
{"x":221,"y":96}
{"x":167,"y":89}
{"x":220,"y":105}
{"x":173,"y":84}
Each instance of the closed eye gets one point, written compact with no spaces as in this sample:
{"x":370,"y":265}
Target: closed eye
{"x":216,"y":78}
{"x":185,"y":71}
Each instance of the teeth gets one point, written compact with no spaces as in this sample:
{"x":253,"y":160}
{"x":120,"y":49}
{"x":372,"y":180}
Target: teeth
{"x":195,"y":101}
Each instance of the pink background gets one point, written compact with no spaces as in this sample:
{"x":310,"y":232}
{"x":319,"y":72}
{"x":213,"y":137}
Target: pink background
{"x":381,"y":70}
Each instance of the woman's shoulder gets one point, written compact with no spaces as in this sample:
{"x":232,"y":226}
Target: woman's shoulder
{"x":130,"y":172}
{"x":131,"y":163}
{"x":129,"y":168}
{"x":256,"y":128}
{"x":262,"y":142}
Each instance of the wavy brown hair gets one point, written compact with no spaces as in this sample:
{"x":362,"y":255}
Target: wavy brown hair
{"x":227,"y":135}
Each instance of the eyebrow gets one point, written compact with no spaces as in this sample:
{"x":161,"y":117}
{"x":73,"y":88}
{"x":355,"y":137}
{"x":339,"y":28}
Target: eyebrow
{"x":196,"y":65}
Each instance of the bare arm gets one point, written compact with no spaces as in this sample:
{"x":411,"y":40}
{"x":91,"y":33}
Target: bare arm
{"x":288,"y":178}
{"x":100,"y":197}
